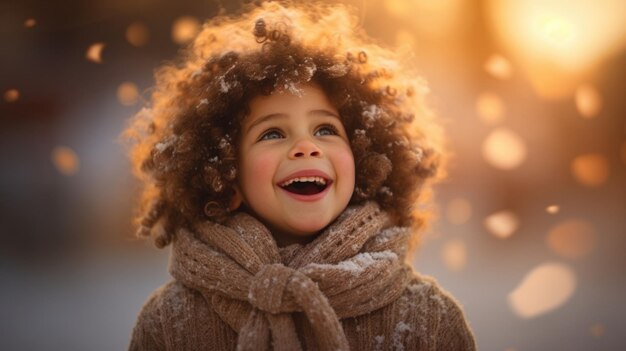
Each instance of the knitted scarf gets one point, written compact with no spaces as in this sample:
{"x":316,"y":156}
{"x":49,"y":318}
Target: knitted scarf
{"x":355,"y":266}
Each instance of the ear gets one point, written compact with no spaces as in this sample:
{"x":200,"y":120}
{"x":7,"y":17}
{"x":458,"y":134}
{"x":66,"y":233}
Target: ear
{"x":236,"y":200}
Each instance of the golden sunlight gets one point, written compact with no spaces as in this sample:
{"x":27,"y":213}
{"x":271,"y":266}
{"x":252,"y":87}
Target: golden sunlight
{"x":490,"y":108}
{"x":398,"y":8}
{"x":127,"y":93}
{"x":432,"y":18}
{"x":65,"y":160}
{"x":404,"y":39}
{"x":504,"y":149}
{"x":185,"y":29}
{"x":559,"y":42}
{"x":502,"y":224}
{"x":590,"y":169}
{"x":498,"y":67}
{"x":572,"y":238}
{"x":544,"y":289}
{"x":94,"y":52}
{"x":588,"y":101}
{"x":454,"y":254}
{"x":458,"y":211}
{"x":137,"y":34}
{"x":11,"y":95}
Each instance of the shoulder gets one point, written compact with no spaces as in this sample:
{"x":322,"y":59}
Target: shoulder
{"x":165,"y":315}
{"x":426,"y":292}
{"x":434,"y":314}
{"x":170,"y":299}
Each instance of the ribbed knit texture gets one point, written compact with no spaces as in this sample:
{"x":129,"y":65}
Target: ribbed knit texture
{"x":348,"y":289}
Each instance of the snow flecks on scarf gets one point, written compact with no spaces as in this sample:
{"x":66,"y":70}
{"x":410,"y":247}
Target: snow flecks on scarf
{"x":399,"y":332}
{"x":358,"y":263}
{"x":380,"y":340}
{"x":176,"y":302}
{"x":388,"y":234}
{"x":442,"y":306}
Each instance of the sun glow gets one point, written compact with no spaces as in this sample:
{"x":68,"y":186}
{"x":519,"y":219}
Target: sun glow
{"x":559,"y":42}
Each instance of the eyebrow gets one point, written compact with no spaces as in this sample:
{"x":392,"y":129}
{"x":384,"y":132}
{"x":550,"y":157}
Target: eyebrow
{"x":318,"y":112}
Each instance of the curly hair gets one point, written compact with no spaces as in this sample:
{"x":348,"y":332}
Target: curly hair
{"x":184,"y":144}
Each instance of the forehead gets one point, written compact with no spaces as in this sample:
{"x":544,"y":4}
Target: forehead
{"x":302,"y":98}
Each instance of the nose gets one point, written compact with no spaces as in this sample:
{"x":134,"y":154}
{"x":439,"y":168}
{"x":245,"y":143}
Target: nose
{"x":304,"y":148}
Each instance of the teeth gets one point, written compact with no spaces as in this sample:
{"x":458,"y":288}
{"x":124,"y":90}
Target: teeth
{"x":318,"y":180}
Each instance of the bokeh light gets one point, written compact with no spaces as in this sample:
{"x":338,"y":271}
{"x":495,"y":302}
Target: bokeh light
{"x":553,"y":209}
{"x":544,"y":289}
{"x":588,"y":101}
{"x":94,"y":52}
{"x":137,"y":34}
{"x":458,"y":211}
{"x":127,"y":93}
{"x":11,"y":95}
{"x":502,"y":224}
{"x":30,"y":23}
{"x":65,"y":160}
{"x":490,"y":108}
{"x":184,"y":29}
{"x":597,"y":330}
{"x":504,"y":149}
{"x":499,"y":67}
{"x":572,"y":238}
{"x":590,"y":169}
{"x":454,"y":255}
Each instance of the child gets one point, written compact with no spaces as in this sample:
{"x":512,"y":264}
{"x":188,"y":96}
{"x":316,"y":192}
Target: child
{"x":283,"y":158}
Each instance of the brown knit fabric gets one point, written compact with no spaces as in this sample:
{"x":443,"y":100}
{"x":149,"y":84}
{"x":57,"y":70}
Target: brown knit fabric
{"x":308,"y":295}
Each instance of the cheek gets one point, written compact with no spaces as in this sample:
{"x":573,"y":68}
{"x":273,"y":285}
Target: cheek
{"x":259,"y":167}
{"x":344,"y":161}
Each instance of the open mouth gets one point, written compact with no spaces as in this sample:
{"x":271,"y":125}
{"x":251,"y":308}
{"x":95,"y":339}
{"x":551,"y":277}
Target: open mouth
{"x":306,"y":185}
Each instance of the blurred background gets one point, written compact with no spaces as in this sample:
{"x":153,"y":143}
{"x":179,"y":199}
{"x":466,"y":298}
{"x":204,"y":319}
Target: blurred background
{"x":531,"y":231}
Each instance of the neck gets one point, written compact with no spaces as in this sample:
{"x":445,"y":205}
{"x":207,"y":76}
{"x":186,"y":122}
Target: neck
{"x":282,"y":238}
{"x":285,"y":239}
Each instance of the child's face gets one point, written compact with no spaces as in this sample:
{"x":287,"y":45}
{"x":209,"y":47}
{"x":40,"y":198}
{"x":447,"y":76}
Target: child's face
{"x":296,"y":169}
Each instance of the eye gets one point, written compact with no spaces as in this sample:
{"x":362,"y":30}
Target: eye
{"x":271,"y":134}
{"x":326,"y":129}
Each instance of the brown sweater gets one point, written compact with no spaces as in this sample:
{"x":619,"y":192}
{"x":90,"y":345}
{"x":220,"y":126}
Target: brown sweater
{"x":349,"y":288}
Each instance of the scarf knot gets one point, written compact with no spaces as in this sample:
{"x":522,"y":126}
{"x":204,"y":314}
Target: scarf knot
{"x":269,"y":288}
{"x":355,"y":266}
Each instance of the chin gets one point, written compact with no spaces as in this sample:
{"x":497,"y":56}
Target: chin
{"x":307,"y":229}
